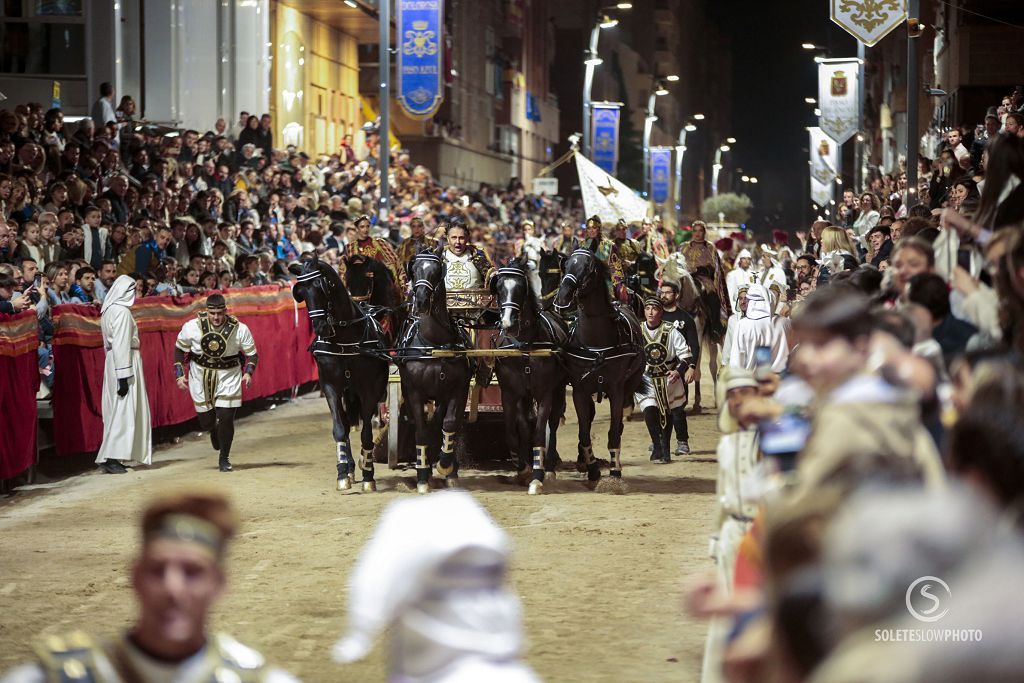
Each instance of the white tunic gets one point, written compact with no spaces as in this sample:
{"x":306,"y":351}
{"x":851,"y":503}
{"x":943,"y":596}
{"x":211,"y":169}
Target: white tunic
{"x":215,"y":388}
{"x":460,"y":272}
{"x":532,"y":247}
{"x":677,"y":350}
{"x":758,"y":328}
{"x":126,"y":423}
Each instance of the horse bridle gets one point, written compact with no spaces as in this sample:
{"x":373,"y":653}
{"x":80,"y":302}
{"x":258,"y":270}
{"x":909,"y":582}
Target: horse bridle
{"x":512,"y":272}
{"x":427,"y":283}
{"x":369,"y":295}
{"x":580,"y":286}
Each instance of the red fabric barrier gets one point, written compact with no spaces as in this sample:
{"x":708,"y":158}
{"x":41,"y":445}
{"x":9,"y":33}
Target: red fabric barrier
{"x":19,"y":382}
{"x":281,"y":329}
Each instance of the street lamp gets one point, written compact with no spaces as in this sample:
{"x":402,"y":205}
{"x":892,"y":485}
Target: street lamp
{"x":672,"y":78}
{"x":745,"y":179}
{"x":731,"y":141}
{"x":602,"y":21}
{"x":753,"y":180}
{"x":680,"y":151}
{"x":690,"y":127}
{"x":810,"y":100}
{"x":698,"y":117}
{"x":658,"y":90}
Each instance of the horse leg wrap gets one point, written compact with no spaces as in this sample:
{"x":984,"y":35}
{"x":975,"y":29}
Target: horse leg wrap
{"x":422,"y":465}
{"x":538,"y":463}
{"x":366,"y":463}
{"x":344,"y":459}
{"x":615,"y":456}
{"x":446,"y":463}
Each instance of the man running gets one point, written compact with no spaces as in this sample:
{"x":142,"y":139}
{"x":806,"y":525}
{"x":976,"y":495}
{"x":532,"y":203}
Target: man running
{"x":215,"y":343}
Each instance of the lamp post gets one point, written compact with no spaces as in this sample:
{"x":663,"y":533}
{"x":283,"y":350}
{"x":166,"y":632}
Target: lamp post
{"x":603,"y":21}
{"x":717,"y":168}
{"x":659,"y":90}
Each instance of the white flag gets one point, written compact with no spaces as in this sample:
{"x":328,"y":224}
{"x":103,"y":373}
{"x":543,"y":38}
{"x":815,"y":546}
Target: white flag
{"x":607,"y":197}
{"x":869,"y":20}
{"x":824,"y":156}
{"x":837,"y":98}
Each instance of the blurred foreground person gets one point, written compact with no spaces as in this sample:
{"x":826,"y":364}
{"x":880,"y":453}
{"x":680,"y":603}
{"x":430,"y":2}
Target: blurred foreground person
{"x":443,"y":596}
{"x":177,"y":578}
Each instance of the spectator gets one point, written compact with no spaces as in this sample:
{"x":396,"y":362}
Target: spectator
{"x":145,"y":258}
{"x":59,"y":284}
{"x":880,"y":238}
{"x":869,"y":214}
{"x":103,"y":109}
{"x":10,"y":300}
{"x":83,"y":290}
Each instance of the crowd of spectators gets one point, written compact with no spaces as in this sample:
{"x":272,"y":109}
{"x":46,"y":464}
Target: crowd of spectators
{"x":870,"y":489}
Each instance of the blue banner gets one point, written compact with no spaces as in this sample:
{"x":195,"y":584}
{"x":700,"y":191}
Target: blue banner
{"x":420,"y":56}
{"x":661,"y":173}
{"x":605,"y":137}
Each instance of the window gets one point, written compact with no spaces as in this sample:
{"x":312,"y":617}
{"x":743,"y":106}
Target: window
{"x":42,"y":37}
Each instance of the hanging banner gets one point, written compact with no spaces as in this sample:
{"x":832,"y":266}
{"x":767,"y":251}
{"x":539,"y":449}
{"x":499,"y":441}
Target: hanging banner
{"x":607,"y":197}
{"x":661,"y":173}
{"x":824,"y":156}
{"x":869,"y":20}
{"x":604,"y":128}
{"x":837,"y":98}
{"x":420,"y":57}
{"x":822,"y":195}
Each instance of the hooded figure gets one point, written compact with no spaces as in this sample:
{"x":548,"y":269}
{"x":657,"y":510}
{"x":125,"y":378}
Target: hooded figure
{"x":739,"y":275}
{"x":755,"y":329}
{"x":442,"y":593}
{"x":126,"y":423}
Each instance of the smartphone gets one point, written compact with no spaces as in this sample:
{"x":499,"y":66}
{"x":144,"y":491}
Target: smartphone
{"x":785,"y":437}
{"x":762,"y":362}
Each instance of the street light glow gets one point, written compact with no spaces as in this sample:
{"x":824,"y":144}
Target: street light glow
{"x":810,"y":100}
{"x":690,"y":127}
{"x":745,"y":179}
{"x":624,"y":5}
{"x":593,"y":60}
{"x":753,"y":179}
{"x":817,"y":112}
{"x":731,"y":141}
{"x":661,"y":91}
{"x":724,"y":148}
{"x":608,"y":22}
{"x":698,"y":117}
{"x":809,"y":46}
{"x":672,"y":78}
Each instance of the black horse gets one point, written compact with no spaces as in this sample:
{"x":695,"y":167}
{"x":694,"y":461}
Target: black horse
{"x":644,"y":281}
{"x":443,"y":380}
{"x":532,"y":387}
{"x":371,"y":286}
{"x":353,"y":373}
{"x":604,"y":354}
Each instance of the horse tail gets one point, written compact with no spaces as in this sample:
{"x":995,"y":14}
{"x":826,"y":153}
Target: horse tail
{"x":352,"y":406}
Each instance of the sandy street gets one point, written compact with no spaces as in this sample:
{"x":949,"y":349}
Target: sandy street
{"x":600,"y":575}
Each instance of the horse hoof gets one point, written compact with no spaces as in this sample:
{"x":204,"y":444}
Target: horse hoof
{"x":695,"y":410}
{"x":536,"y":488}
{"x":344,"y":484}
{"x":550,"y":475}
{"x":593,"y":472}
{"x":615,"y":474}
{"x":451,"y":482}
{"x":369,"y":486}
{"x":422,"y":488}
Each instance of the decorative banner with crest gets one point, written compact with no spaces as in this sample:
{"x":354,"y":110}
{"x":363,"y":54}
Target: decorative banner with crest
{"x":604,"y":128}
{"x":869,"y":20}
{"x":661,"y":174}
{"x":420,"y":56}
{"x":837,"y":98}
{"x":823,"y":162}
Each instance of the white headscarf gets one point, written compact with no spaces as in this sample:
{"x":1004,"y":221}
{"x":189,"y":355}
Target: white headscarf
{"x":759,"y":304}
{"x":121,"y":293}
{"x":744,"y":253}
{"x":434,"y":570}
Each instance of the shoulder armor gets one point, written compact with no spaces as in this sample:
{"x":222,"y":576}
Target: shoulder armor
{"x":69,"y":657}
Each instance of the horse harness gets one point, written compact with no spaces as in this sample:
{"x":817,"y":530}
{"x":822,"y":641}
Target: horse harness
{"x":372,"y":343}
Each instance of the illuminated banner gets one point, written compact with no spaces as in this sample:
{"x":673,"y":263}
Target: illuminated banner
{"x":606,"y":196}
{"x":661,"y":173}
{"x":420,"y":57}
{"x":823,"y":162}
{"x":837,"y":98}
{"x":869,"y":20}
{"x":604,"y":144}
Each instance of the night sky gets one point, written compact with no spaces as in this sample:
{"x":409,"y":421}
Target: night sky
{"x":772,"y":75}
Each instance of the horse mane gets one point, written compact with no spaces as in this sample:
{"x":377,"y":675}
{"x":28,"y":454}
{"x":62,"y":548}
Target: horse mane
{"x":384,"y":282}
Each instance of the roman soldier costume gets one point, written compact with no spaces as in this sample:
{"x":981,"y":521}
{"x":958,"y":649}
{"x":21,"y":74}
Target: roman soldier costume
{"x":215,"y":357}
{"x":471,"y":270}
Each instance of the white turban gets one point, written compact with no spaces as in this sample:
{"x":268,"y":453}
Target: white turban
{"x":744,"y":253}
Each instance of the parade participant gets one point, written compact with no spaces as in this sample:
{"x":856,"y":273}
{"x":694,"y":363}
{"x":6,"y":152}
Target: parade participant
{"x":452,"y":618}
{"x":724,"y":247}
{"x":416,"y":242}
{"x":736,"y":507}
{"x":738,"y":310}
{"x":126,"y":423}
{"x":757,"y":328}
{"x":566,"y":242}
{"x":671,"y":313}
{"x":605,"y":251}
{"x":771,"y":271}
{"x":215,"y":343}
{"x":466,"y":266}
{"x":669,"y":367}
{"x":741,"y":275}
{"x":780,"y":238}
{"x":380,"y":249}
{"x":530,"y":246}
{"x":703,"y":261}
{"x":177,"y":578}
{"x":627,"y":247}
{"x":651,"y":242}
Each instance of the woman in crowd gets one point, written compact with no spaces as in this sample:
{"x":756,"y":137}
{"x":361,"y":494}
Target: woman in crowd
{"x":60,"y":284}
{"x":189,"y":281}
{"x":837,"y":253}
{"x":869,"y":214}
